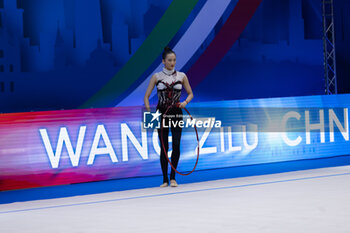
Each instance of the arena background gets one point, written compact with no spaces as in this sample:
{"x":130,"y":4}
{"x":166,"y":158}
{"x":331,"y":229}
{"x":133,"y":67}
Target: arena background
{"x":83,"y":56}
{"x":68,"y":54}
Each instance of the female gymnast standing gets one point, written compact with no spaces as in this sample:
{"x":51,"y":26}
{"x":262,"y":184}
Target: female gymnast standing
{"x":169,"y":84}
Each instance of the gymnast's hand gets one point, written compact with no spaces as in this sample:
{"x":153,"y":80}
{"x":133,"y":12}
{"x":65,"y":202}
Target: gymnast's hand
{"x":182,"y":104}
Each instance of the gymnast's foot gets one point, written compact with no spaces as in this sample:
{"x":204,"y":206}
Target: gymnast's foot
{"x":165,"y":184}
{"x":173,"y":183}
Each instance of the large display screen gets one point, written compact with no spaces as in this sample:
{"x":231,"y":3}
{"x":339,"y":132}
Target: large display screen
{"x":71,"y":146}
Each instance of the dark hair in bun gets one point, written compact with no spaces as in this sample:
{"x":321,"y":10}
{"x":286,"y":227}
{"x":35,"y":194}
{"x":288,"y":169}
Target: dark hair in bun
{"x":167,"y":50}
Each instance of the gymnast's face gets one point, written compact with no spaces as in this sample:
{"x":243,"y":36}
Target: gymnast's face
{"x":170,"y":61}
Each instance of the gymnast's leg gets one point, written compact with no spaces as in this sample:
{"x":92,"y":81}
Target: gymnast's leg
{"x":163,"y":160}
{"x":176,"y":138}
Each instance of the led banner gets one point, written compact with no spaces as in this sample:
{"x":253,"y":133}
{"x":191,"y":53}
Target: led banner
{"x":72,"y":146}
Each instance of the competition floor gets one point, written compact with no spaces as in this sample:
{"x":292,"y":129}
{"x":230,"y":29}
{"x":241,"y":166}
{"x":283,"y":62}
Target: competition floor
{"x":315,"y":200}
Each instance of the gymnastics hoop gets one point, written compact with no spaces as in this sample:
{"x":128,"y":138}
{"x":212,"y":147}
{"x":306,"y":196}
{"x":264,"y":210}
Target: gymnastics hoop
{"x":166,"y":153}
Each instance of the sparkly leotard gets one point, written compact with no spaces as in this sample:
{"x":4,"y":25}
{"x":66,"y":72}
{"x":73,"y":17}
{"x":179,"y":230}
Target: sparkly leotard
{"x":169,"y":86}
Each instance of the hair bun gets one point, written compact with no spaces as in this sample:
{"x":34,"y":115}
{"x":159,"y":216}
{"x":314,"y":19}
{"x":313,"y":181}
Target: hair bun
{"x":167,"y":48}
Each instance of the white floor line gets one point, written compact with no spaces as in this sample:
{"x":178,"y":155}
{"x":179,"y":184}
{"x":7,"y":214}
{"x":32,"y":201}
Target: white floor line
{"x":314,"y":200}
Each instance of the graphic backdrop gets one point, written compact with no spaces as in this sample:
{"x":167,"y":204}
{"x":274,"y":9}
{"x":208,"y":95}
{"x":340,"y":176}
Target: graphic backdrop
{"x":69,"y":54}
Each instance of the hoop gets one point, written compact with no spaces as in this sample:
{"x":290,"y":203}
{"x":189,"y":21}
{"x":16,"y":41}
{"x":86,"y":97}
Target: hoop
{"x":166,"y":153}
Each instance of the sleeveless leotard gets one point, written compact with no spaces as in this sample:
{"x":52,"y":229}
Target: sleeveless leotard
{"x":169,"y":86}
